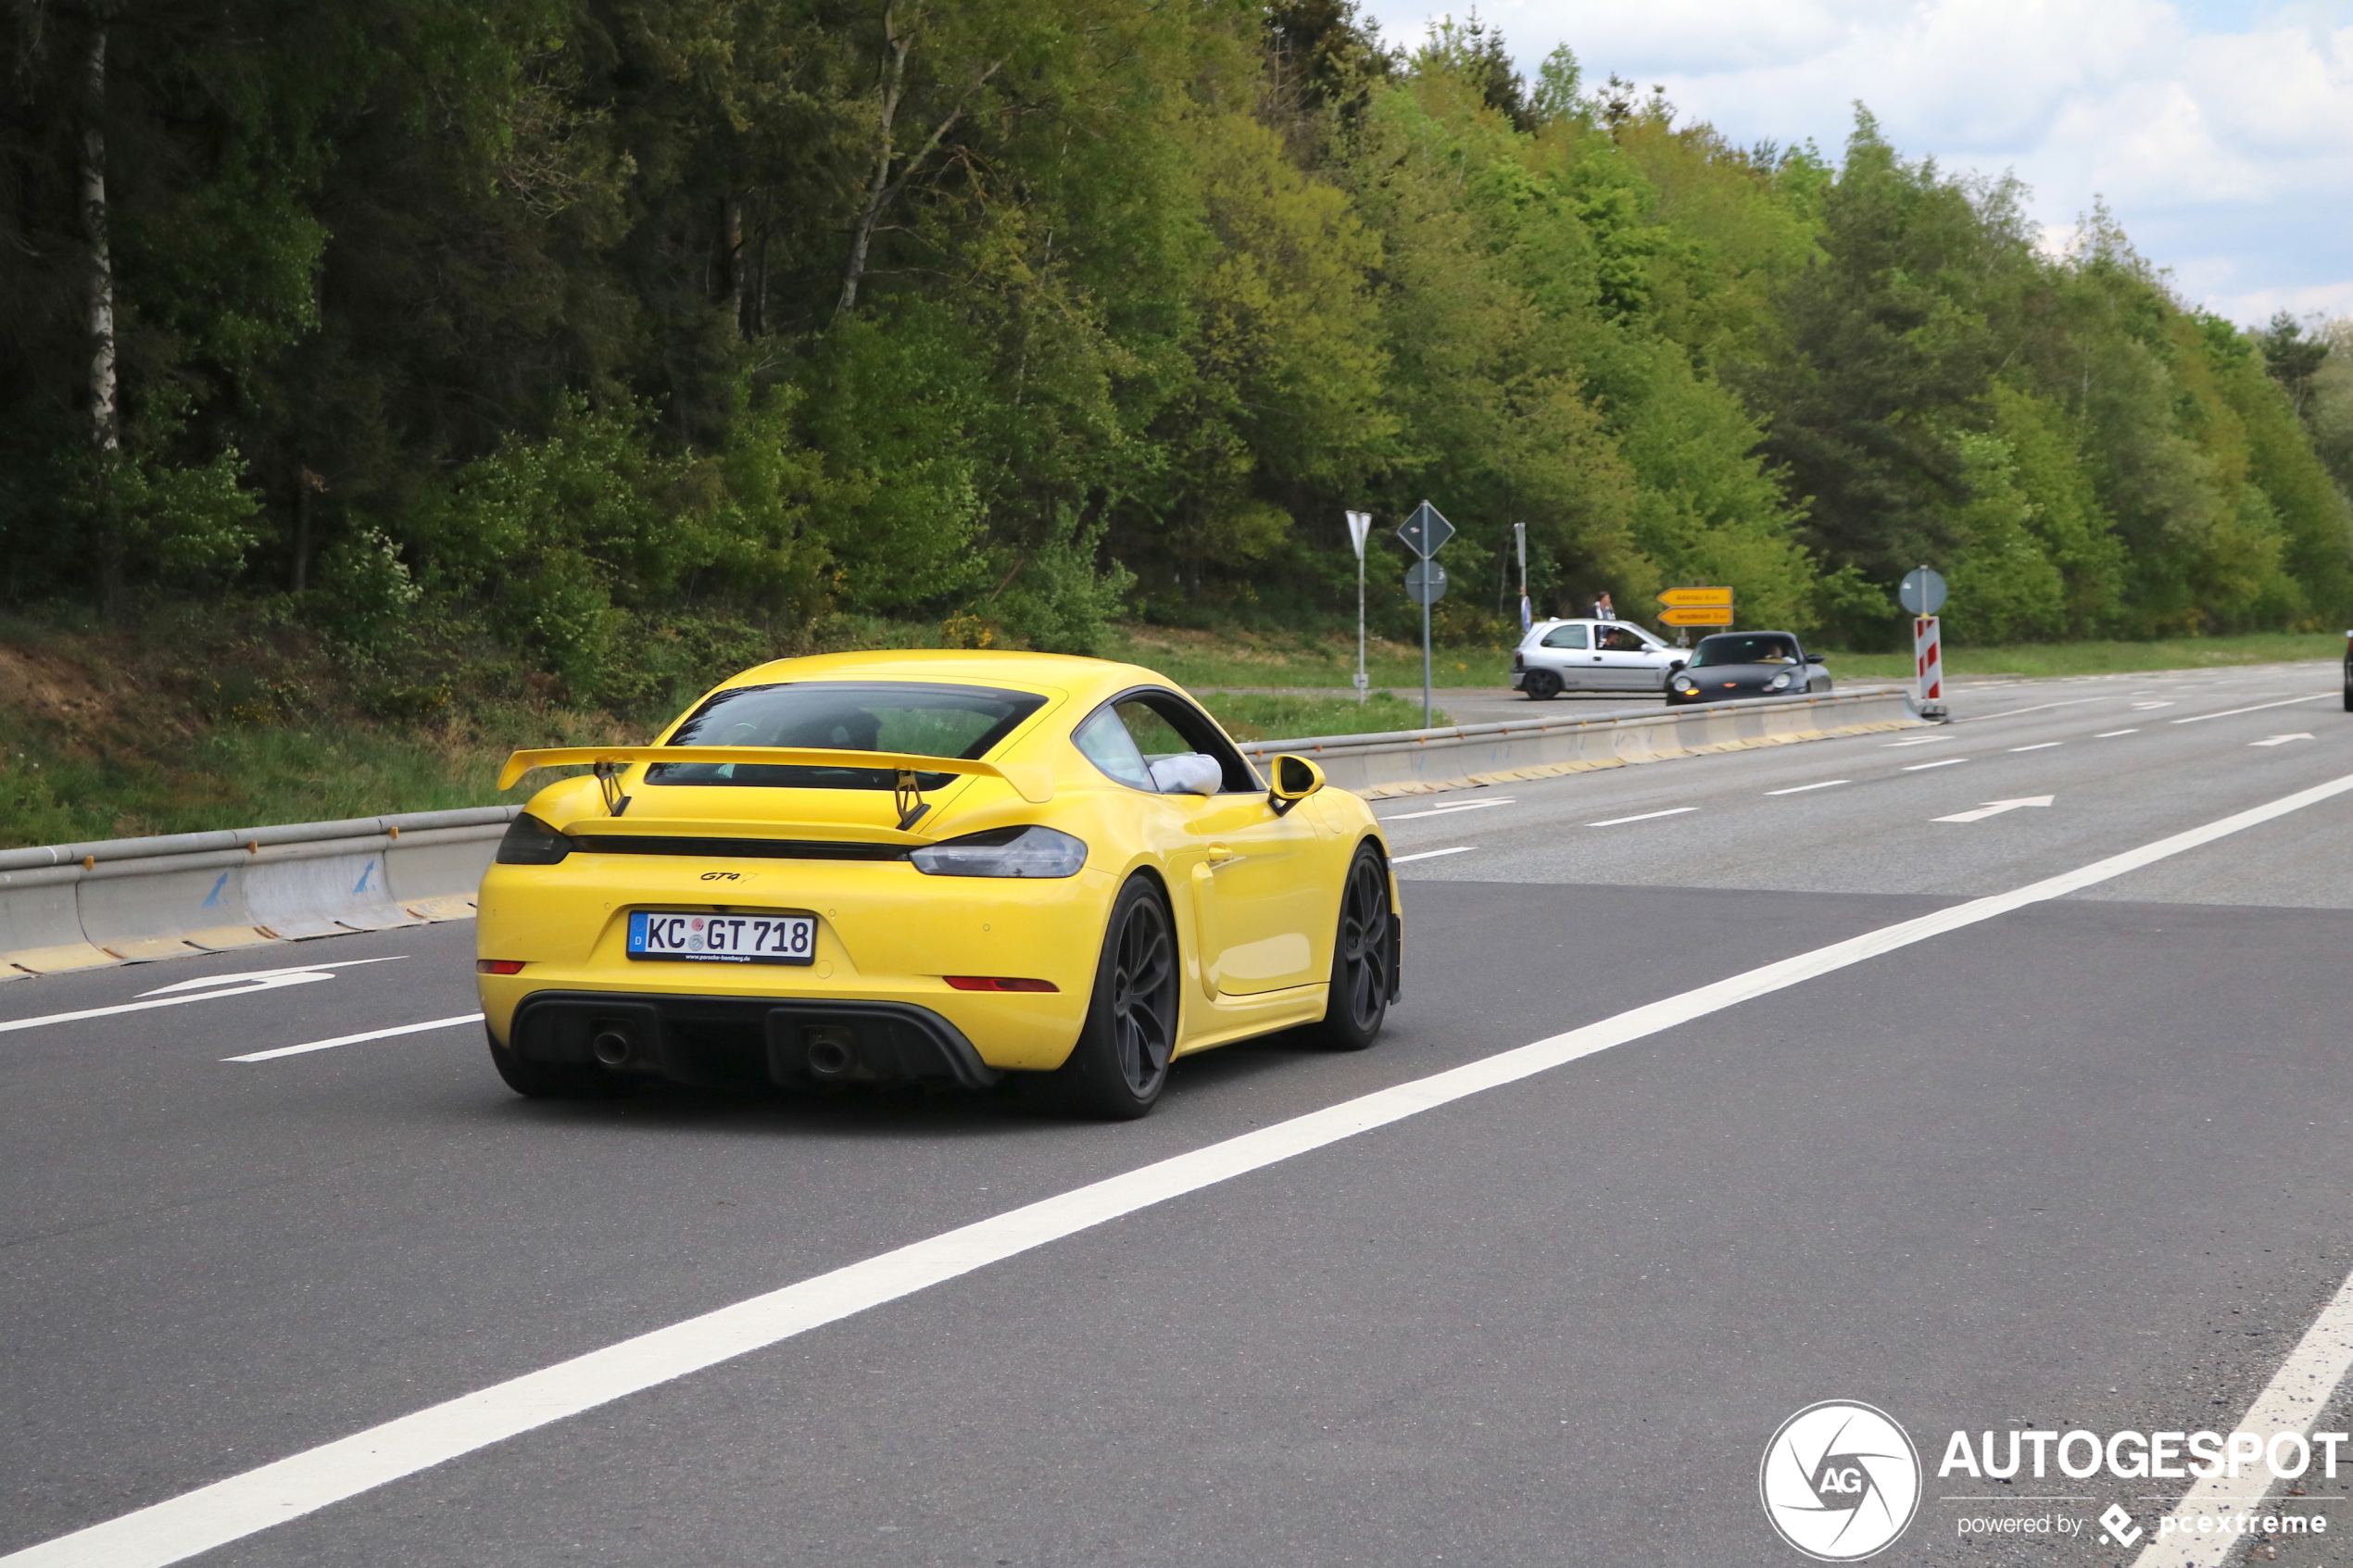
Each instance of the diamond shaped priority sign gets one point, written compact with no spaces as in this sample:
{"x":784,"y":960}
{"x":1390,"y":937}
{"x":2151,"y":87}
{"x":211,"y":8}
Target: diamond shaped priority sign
{"x":1425,"y":531}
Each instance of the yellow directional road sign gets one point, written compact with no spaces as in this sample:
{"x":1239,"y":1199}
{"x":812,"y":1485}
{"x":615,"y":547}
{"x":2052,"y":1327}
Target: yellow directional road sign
{"x":1704,"y":615}
{"x":1695,"y":598}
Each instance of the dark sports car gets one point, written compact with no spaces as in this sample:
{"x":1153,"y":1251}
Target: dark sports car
{"x":1732,"y":664}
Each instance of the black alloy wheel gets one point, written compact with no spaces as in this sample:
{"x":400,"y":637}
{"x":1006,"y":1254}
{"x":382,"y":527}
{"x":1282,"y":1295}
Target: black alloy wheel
{"x":1120,"y":1065}
{"x":1541,"y":685}
{"x":1364,"y":958}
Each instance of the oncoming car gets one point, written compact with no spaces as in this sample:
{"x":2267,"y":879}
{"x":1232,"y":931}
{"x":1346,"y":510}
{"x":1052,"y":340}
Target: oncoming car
{"x":1732,"y":664}
{"x":1592,"y":656}
{"x":933,"y":868}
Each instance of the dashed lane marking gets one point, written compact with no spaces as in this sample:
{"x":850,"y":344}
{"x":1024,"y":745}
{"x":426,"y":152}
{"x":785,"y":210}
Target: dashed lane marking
{"x":2227,"y":712}
{"x":1433,"y":854}
{"x":355,"y":1039}
{"x":1940,"y":763}
{"x":1644,"y":816}
{"x":1800,"y":789}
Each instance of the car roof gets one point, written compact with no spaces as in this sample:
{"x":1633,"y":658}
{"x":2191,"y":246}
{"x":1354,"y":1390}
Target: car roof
{"x":1079,"y":677}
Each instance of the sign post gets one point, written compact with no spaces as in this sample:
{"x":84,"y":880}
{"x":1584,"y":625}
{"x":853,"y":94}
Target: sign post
{"x":1423,"y":534}
{"x":1519,"y":537}
{"x":1360,"y":524}
{"x":1695,"y":607}
{"x":1923,"y":592}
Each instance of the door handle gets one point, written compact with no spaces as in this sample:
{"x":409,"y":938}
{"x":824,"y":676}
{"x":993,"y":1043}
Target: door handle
{"x":1218,"y":855}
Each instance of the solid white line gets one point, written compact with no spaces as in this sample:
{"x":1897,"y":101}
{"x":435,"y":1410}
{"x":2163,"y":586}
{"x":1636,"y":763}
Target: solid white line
{"x":355,"y":1039}
{"x":241,"y":1505}
{"x":2227,"y":712}
{"x":1671,"y":812}
{"x":1800,"y":789}
{"x":1448,"y":811}
{"x":2041,"y":745}
{"x":1433,"y":854}
{"x":2111,"y":734}
{"x":1940,"y":763}
{"x":2292,"y":1401}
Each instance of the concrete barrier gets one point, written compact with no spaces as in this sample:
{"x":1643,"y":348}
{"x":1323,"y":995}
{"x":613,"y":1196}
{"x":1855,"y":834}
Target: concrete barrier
{"x":79,"y":906}
{"x":1418,"y":761}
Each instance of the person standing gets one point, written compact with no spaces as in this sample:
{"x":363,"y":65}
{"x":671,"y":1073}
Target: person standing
{"x":1603,"y":610}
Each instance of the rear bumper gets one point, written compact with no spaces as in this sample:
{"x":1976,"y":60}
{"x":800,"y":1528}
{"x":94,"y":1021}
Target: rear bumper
{"x":741,"y":1042}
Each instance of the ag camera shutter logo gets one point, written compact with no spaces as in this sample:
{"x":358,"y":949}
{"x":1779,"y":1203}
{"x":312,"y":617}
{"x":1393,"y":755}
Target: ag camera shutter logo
{"x":1840,"y":1481}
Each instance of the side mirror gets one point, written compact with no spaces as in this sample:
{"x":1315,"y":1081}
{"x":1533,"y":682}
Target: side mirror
{"x":1295,"y":779}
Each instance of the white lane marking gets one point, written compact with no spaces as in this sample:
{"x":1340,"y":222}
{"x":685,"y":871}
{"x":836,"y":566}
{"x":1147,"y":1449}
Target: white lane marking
{"x":2141,"y":706}
{"x":1918,"y":740}
{"x":1994,"y":808}
{"x":1644,"y":816}
{"x":1800,"y":789}
{"x":2040,"y":746}
{"x":2039,"y":707}
{"x":2111,"y":734}
{"x":245,"y":1504}
{"x":1433,"y":854}
{"x":259,"y":980}
{"x":2227,"y":712}
{"x":218,"y":980}
{"x":2280,"y":740}
{"x":1940,"y":763}
{"x":2292,"y":1401}
{"x":355,"y":1039}
{"x":1449,"y":810}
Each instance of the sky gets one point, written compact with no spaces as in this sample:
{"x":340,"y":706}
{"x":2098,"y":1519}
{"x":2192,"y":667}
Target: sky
{"x":2220,"y":133}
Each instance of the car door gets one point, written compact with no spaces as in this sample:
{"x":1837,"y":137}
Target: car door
{"x":1257,"y":900}
{"x":1623,"y":660}
{"x":1255,"y":895}
{"x":1567,"y":651}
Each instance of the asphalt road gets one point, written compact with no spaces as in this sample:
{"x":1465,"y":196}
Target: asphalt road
{"x":2083,"y":1164}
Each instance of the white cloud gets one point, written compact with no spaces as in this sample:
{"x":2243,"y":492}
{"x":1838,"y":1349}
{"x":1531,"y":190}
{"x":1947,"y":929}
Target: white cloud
{"x":2220,"y":135}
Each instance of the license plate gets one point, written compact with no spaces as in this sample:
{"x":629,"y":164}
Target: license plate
{"x":677,"y":933}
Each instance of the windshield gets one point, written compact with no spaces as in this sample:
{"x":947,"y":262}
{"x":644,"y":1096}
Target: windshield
{"x":903,"y":716}
{"x":1743,"y":649}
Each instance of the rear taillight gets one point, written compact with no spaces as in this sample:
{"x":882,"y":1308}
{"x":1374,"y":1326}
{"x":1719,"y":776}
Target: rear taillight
{"x":498,"y":966}
{"x":1520,"y":659}
{"x":996,"y":982}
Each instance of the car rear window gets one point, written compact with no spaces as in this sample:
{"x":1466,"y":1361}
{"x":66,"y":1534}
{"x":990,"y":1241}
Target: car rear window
{"x":1741,"y":649}
{"x":903,"y":716}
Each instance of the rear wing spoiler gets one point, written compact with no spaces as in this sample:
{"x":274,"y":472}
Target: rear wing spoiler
{"x":1035,"y":781}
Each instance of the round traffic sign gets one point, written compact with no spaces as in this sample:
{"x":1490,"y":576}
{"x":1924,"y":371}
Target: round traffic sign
{"x":1424,"y":581}
{"x":1923,"y":590}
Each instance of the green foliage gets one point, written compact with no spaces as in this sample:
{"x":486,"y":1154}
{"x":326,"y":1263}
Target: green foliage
{"x":595,"y":323}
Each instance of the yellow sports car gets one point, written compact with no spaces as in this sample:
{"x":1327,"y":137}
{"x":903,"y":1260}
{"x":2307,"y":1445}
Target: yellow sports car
{"x":928,"y":868}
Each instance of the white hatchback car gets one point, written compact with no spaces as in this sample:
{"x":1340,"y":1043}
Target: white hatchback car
{"x":1592,"y":656}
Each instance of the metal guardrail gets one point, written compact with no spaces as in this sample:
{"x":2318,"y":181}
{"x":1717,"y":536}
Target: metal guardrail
{"x":81,"y":905}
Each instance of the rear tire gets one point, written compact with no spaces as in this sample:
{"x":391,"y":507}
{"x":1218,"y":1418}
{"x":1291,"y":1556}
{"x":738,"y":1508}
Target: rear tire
{"x":1120,"y":1065}
{"x":1541,"y":685}
{"x":1364,"y":958}
{"x":2349,"y":694}
{"x":548,"y":1080}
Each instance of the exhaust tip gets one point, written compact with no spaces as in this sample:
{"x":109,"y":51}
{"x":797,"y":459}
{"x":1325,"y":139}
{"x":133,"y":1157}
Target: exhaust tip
{"x":611,"y":1046}
{"x":829,"y":1053}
